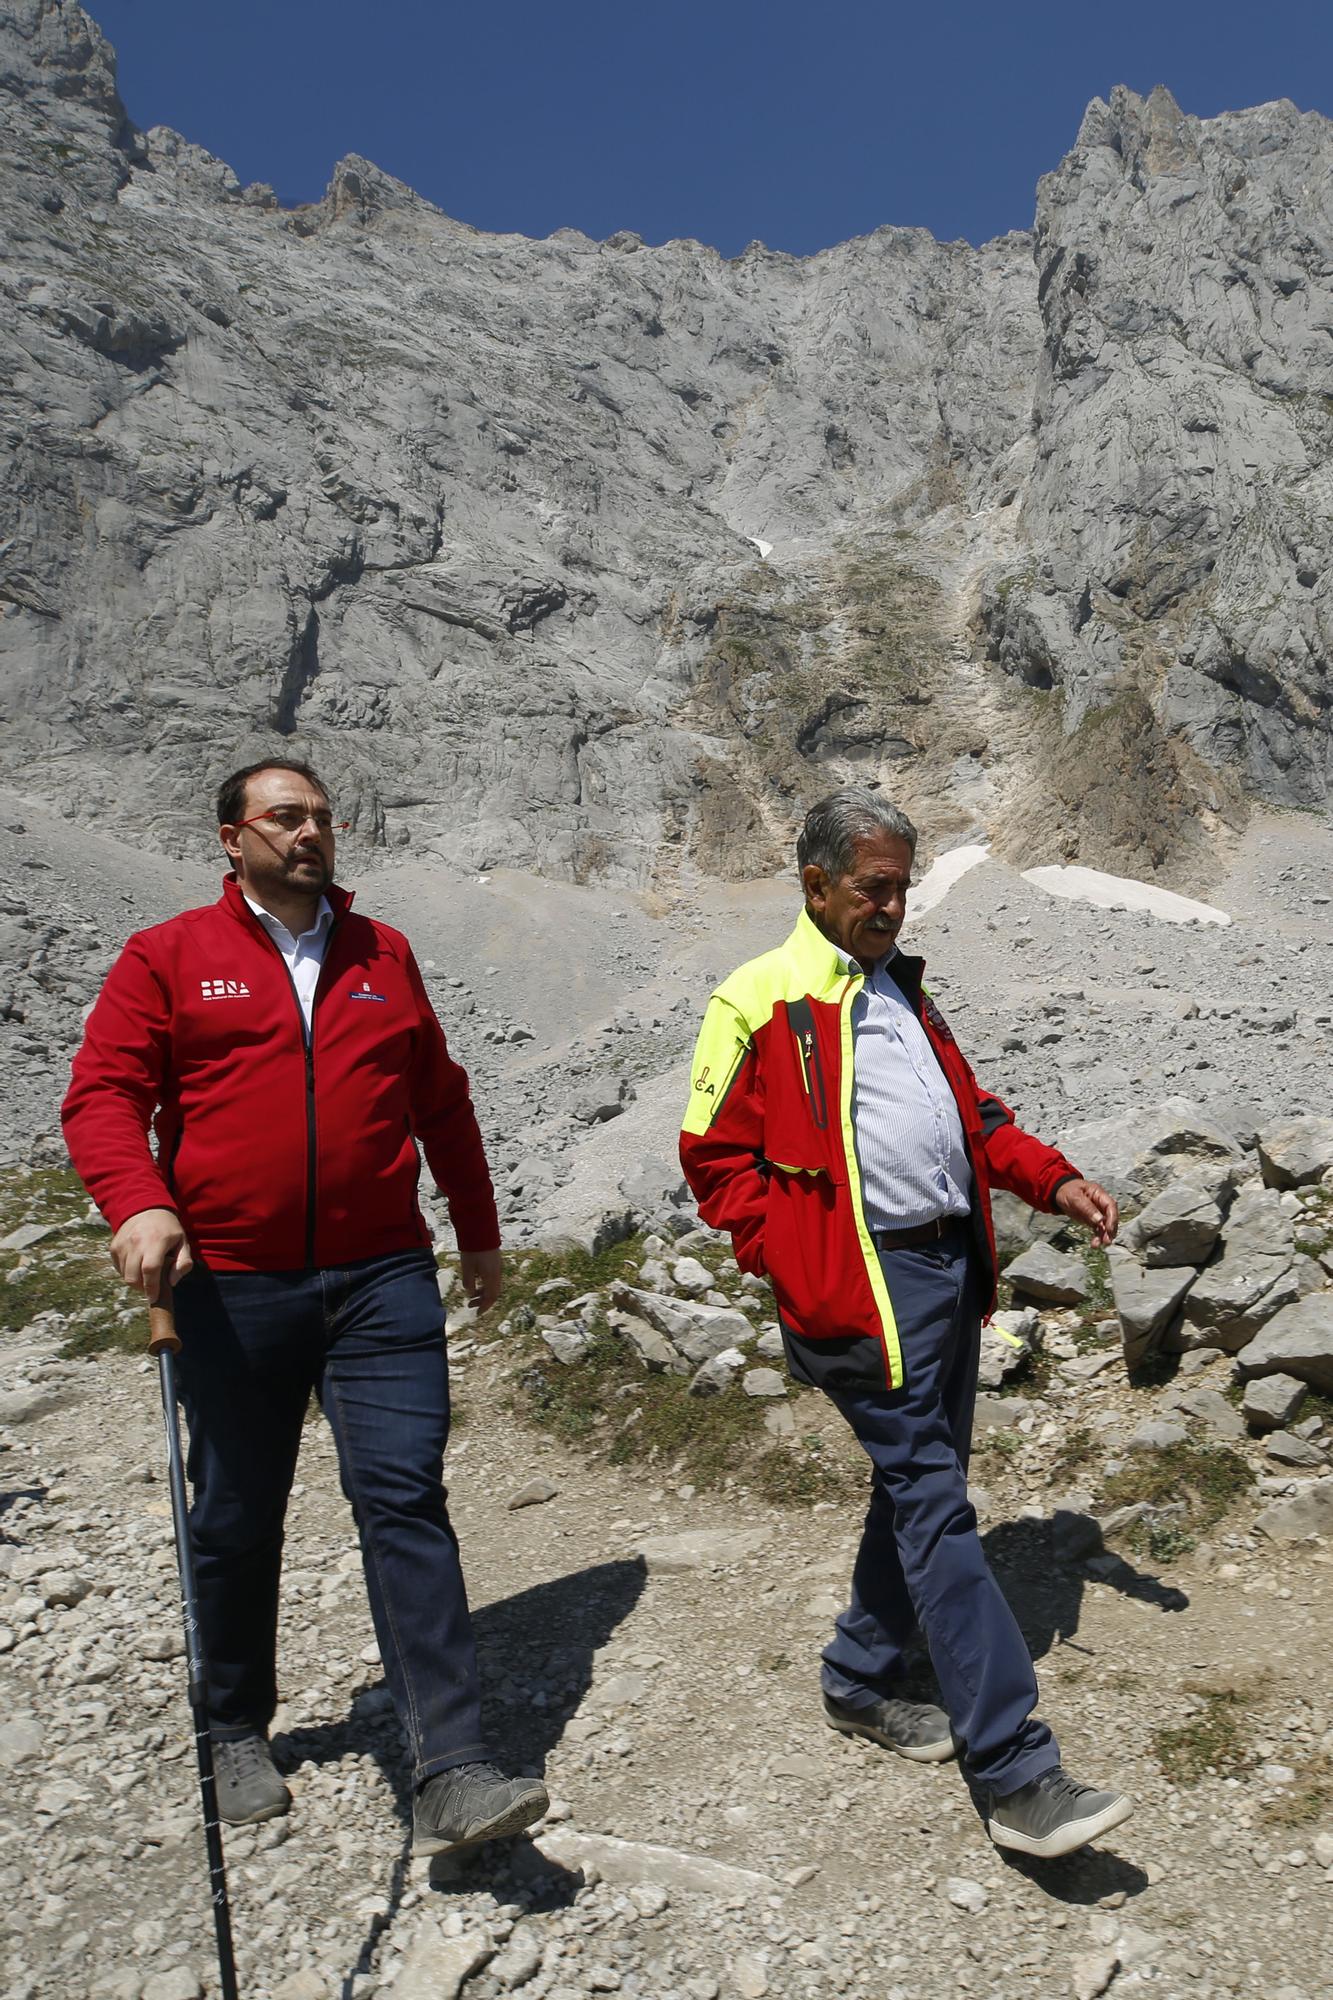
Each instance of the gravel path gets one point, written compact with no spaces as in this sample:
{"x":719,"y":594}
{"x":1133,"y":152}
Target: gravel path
{"x":669,"y":1691}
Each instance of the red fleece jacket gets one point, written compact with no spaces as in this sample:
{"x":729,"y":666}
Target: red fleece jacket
{"x":277,"y":1155}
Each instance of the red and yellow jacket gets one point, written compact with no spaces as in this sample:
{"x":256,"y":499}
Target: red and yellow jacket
{"x":768,"y":1148}
{"x":278,"y":1150}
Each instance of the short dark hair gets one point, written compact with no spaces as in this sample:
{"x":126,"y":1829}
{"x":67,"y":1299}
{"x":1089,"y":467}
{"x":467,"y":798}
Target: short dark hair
{"x":231,"y":792}
{"x":833,"y":827}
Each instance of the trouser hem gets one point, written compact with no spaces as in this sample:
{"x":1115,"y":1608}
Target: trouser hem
{"x":1034,"y":1765}
{"x":431,"y":1767}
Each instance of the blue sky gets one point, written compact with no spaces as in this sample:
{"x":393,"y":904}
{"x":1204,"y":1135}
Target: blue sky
{"x":798,"y":124}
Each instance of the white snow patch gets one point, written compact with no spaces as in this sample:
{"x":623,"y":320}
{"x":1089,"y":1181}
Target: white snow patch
{"x":1118,"y":892}
{"x":765,"y":548}
{"x":940,"y":877}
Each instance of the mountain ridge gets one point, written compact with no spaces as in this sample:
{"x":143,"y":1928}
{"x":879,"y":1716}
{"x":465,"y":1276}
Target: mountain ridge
{"x":472,"y":519}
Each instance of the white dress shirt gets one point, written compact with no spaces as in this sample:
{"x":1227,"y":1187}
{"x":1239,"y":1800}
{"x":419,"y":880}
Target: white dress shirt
{"x":303,"y":955}
{"x":909,"y":1137}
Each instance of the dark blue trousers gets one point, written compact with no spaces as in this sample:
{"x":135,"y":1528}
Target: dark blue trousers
{"x":920,"y":1566}
{"x":369,"y":1340}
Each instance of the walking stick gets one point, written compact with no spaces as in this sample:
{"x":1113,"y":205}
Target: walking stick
{"x":164,"y":1342}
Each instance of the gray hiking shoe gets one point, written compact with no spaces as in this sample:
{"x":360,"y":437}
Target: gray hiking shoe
{"x":914,"y":1729}
{"x":472,"y":1803}
{"x":248,"y":1783}
{"x":1054,"y":1815}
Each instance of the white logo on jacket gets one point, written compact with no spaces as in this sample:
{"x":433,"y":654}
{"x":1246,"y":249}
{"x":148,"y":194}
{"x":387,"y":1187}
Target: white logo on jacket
{"x":224,"y":989}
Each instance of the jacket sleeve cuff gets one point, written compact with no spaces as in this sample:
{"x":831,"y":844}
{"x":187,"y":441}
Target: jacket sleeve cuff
{"x":147,"y":1195}
{"x":476,"y":1225}
{"x":1062,"y":1181}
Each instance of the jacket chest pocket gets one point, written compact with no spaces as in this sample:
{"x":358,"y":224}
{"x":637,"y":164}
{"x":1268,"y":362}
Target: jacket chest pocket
{"x":810,"y":1063}
{"x":801,"y":1129}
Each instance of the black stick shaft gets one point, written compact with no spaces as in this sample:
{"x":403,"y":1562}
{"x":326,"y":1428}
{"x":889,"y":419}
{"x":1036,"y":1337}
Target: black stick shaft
{"x":198,"y":1679}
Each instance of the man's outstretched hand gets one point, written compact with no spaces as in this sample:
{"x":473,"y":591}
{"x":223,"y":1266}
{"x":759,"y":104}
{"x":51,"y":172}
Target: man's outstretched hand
{"x":1084,"y":1201}
{"x":482,"y":1272}
{"x":148,"y":1244}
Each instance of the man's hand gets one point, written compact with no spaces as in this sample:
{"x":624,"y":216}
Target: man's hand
{"x":1084,"y":1201}
{"x":148,"y":1244}
{"x":482,"y":1272}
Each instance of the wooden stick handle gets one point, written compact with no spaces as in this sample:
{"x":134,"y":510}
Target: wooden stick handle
{"x":162,"y":1334}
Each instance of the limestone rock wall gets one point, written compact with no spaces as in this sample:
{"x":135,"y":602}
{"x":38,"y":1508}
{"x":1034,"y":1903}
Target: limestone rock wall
{"x":472,"y":520}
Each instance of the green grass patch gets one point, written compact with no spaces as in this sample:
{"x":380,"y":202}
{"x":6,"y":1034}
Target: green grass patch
{"x":1208,"y":1478}
{"x":68,"y":1273}
{"x":1006,"y":1443}
{"x":609,"y":1407}
{"x":1161,"y":1541}
{"x":1308,"y":1799}
{"x":1100,"y":1299}
{"x":1075,"y":1449}
{"x":44,"y":1195}
{"x":1210,"y":1743}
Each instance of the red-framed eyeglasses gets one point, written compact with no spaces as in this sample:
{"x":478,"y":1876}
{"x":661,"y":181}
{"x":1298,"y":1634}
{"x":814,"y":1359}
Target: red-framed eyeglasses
{"x":290,"y":819}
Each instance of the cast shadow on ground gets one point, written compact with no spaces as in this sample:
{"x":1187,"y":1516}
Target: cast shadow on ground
{"x":1085,"y":1878}
{"x":554,"y":1630}
{"x":1040,"y":1567}
{"x":13,"y":1496}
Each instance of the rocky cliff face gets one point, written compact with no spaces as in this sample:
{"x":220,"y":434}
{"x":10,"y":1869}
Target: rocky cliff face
{"x":597,"y":557}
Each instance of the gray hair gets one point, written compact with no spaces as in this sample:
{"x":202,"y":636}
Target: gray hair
{"x":833,"y":827}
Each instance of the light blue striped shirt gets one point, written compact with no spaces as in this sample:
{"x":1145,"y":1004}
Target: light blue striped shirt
{"x":909,"y":1137}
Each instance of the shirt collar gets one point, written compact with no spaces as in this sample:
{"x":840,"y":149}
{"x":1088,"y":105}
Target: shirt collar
{"x":854,"y":966}
{"x":273,"y":925}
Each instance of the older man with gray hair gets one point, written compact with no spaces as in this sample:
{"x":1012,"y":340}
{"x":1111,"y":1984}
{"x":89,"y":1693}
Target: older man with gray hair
{"x":836,"y":1130}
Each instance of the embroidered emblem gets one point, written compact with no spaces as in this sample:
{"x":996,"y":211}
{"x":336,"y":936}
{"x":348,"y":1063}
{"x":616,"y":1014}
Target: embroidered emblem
{"x":702,"y":1084}
{"x":224,"y":989}
{"x":936,"y":1019}
{"x":365,"y":993}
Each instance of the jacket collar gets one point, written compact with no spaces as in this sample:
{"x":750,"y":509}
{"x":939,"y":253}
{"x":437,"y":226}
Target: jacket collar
{"x":824,"y":969}
{"x":233,"y":900}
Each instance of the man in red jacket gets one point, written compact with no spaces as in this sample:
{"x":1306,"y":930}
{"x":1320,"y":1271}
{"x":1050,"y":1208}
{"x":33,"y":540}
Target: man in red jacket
{"x":836,"y":1131}
{"x":286,"y":1056}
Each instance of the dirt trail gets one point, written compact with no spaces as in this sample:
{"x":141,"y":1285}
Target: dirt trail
{"x":670,"y":1706}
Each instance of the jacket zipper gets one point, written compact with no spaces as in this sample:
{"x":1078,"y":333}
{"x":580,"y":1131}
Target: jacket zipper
{"x":801,"y":1017}
{"x":308,"y":1046}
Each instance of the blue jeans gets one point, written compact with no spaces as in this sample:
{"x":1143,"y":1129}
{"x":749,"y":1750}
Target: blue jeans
{"x":920,"y":1566}
{"x":369,"y":1340}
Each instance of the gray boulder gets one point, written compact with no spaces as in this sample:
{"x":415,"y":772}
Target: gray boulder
{"x":1297,"y":1151}
{"x":1157,"y":1434}
{"x":602,"y":1099}
{"x":1049,"y":1275}
{"x":1298,"y":1341}
{"x":1307,"y":1513}
{"x":653,"y":1348}
{"x":1270,"y":1401}
{"x":1146,"y":1301}
{"x":999,"y":1413}
{"x":1212,"y":1409}
{"x":1256,"y":1274}
{"x":568,"y":1343}
{"x":1284,"y":1449}
{"x":696,"y":1330}
{"x":1005,"y":1346}
{"x":1181,"y":1225}
{"x":1137,"y":1154}
{"x":717,"y":1374}
{"x":765,"y":1383}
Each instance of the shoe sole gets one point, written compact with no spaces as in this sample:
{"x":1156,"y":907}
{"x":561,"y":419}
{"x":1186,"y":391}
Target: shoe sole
{"x":1062,"y":1839}
{"x":915,"y":1753}
{"x":522,"y":1813}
